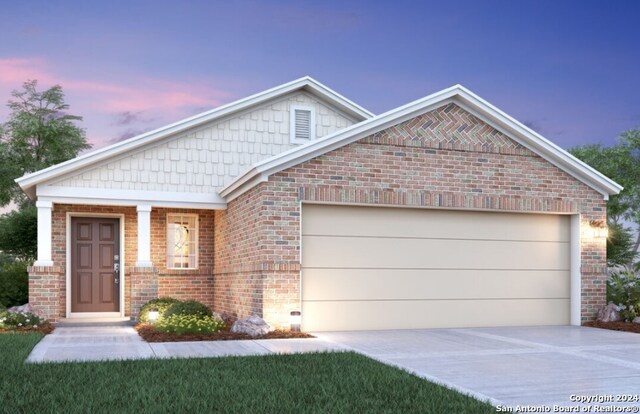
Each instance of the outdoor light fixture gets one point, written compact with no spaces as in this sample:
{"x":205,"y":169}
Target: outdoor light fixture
{"x":599,"y":229}
{"x":295,"y":320}
{"x":153,"y":315}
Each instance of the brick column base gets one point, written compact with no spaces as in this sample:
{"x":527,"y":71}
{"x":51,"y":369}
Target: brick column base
{"x":46,"y":291}
{"x":144,"y":287}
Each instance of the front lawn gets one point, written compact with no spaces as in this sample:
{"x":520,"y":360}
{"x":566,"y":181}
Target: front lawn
{"x":338,"y":382}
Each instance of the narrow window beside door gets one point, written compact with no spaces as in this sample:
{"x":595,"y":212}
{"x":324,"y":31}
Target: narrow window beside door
{"x":182,"y":241}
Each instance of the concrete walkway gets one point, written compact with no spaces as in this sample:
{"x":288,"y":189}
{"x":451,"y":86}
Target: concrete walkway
{"x":102,"y":343}
{"x":507,"y":366}
{"x":511,"y":366}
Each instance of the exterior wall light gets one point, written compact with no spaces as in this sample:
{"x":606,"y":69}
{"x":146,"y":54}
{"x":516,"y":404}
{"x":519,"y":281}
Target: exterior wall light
{"x":296,"y":320}
{"x":599,"y":229}
{"x":153,"y":315}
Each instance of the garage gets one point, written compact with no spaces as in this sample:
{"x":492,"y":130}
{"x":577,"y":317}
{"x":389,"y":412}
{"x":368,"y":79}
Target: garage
{"x":368,"y":268}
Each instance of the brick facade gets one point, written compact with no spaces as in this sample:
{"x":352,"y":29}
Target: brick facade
{"x":140,"y":284}
{"x":443,"y":159}
{"x":250,"y":253}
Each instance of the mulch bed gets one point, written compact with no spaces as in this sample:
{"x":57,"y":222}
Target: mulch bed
{"x":615,"y":326}
{"x":149,"y":334}
{"x":46,"y":328}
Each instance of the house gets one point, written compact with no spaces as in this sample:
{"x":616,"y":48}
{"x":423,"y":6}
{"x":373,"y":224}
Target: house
{"x":445,"y":212}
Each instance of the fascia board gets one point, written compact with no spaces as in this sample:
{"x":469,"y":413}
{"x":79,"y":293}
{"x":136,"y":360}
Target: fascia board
{"x":457,"y":93}
{"x":133,"y":143}
{"x":130,"y":197}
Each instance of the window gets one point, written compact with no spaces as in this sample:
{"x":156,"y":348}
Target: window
{"x":303,"y":124}
{"x":182,"y":241}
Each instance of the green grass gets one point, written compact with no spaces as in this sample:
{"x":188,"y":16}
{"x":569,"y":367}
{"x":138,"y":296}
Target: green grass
{"x":326,"y":383}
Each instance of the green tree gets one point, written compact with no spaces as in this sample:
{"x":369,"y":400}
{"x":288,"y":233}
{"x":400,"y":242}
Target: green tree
{"x":19,"y":233}
{"x":620,"y":244}
{"x":39,"y":133}
{"x":621,"y":163}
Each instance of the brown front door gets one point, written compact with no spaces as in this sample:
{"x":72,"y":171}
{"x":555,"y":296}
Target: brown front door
{"x":95,"y":250}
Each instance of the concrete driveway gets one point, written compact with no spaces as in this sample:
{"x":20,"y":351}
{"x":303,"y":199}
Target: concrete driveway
{"x":511,"y":366}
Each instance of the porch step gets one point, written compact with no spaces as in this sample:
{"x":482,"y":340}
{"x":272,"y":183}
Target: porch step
{"x":80,"y":322}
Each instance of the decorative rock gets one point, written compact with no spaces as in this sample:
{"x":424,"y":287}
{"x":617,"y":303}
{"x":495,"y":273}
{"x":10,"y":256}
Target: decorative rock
{"x":253,"y":326}
{"x":610,"y":313}
{"x":636,"y":320}
{"x":26,"y":308}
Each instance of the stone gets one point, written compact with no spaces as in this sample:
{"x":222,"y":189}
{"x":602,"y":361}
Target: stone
{"x":253,"y":326}
{"x":26,"y":308}
{"x":610,"y":313}
{"x":636,"y":320}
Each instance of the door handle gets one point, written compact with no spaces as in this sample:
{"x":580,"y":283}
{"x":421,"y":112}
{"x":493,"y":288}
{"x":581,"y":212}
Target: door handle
{"x":116,"y":267}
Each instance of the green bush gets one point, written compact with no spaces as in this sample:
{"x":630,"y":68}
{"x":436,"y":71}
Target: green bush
{"x":188,"y":308}
{"x":14,"y":283}
{"x":19,"y":320}
{"x":623,"y":289}
{"x":161,"y":304}
{"x":189,"y":324}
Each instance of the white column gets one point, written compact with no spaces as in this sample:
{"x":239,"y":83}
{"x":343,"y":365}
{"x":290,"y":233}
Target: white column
{"x":144,"y":236}
{"x":576,"y":275}
{"x":44,"y":233}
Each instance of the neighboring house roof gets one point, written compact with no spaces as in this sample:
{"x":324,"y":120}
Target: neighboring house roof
{"x":29,"y":181}
{"x":456,"y":94}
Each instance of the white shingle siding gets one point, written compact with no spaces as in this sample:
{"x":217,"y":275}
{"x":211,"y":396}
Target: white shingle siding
{"x":204,"y":160}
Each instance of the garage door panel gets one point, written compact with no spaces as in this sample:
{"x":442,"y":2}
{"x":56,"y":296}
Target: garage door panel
{"x":414,"y":253}
{"x":369,"y":315}
{"x":411,"y":284}
{"x":352,"y":221}
{"x":393,"y":268}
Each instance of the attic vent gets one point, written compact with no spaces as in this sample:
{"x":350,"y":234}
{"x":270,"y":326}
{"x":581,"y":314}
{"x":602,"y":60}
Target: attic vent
{"x":302,"y":125}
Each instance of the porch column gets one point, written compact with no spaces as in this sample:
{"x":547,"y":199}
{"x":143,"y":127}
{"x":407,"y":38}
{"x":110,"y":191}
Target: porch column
{"x":144,"y":236}
{"x":44,"y":233}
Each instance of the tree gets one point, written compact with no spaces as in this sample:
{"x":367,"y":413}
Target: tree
{"x":19,"y":233}
{"x":620,"y":245}
{"x":38,"y":134}
{"x":621,"y":163}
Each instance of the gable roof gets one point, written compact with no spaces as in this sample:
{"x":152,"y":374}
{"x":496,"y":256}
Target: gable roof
{"x":456,"y":94}
{"x":307,"y":84}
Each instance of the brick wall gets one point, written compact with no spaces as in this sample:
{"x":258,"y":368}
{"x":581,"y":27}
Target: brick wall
{"x":139,"y":284}
{"x":238,"y":271}
{"x":443,"y":159}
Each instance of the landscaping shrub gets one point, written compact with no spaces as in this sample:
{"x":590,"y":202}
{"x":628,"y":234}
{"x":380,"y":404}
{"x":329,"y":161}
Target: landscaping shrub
{"x":189,"y":324}
{"x":14,"y":283}
{"x":623,"y":289}
{"x":188,"y":308}
{"x":161,"y":304}
{"x":19,"y":320}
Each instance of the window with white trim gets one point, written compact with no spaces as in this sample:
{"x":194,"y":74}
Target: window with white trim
{"x":303,"y":124}
{"x":182,"y":241}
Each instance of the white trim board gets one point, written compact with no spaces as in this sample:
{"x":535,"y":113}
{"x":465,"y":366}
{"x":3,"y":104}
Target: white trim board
{"x":78,"y":315}
{"x":28,"y":181}
{"x":113,"y":197}
{"x":456,"y":94}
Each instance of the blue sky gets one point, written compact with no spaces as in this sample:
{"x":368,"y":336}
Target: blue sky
{"x":569,"y":69}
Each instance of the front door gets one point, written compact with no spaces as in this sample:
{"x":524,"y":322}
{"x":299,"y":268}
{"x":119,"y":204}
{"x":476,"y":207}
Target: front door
{"x":95,"y":273}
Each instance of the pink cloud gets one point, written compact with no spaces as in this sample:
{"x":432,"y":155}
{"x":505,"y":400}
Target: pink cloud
{"x":161,"y":100}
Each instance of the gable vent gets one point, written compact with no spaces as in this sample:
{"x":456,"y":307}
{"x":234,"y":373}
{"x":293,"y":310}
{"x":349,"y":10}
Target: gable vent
{"x":302,"y":125}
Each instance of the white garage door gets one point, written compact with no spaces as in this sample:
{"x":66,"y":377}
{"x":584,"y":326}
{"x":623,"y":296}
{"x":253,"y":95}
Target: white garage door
{"x":392,"y":268}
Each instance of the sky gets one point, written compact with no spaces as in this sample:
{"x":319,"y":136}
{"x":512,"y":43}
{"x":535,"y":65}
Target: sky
{"x":568,"y":69}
